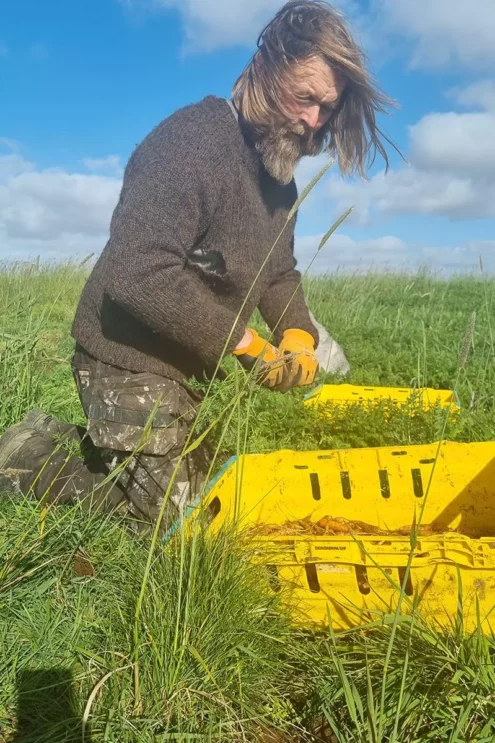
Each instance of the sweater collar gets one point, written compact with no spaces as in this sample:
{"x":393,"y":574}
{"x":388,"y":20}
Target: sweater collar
{"x":250,"y":155}
{"x":233,"y":109}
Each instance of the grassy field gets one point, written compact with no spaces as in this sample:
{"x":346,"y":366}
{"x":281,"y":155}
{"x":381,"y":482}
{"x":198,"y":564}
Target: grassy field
{"x":209,"y":655}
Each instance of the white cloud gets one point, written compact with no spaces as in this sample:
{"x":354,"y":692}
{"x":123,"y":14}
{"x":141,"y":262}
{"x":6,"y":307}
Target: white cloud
{"x":60,"y":215}
{"x":111,"y":164}
{"x":389,"y":253}
{"x":463,"y":257}
{"x":219,"y":23}
{"x":480,"y":94}
{"x":415,"y":191}
{"x":49,"y":210}
{"x":13,"y":165}
{"x":307,"y":169}
{"x":67,"y":247}
{"x":453,"y":142}
{"x":48,"y":203}
{"x":451,"y":170}
{"x":341,"y":251}
{"x":222,"y":23}
{"x":444,"y":32}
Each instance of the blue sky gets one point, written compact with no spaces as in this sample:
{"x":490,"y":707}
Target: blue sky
{"x":82,"y":82}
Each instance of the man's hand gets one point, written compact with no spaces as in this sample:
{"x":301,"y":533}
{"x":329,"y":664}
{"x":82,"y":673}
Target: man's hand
{"x":271,"y":369}
{"x":298,"y":347}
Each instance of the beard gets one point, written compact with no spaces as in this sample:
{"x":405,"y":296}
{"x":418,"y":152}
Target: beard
{"x":281,"y":149}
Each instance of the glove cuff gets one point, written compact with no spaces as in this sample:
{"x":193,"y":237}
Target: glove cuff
{"x":296,"y":335}
{"x":255,"y":348}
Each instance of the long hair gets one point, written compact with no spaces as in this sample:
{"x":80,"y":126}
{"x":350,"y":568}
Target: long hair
{"x":304,"y":30}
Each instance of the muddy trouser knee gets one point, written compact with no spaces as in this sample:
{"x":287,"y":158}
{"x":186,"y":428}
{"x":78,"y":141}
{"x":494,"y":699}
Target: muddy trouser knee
{"x":158,"y":485}
{"x":139,"y":423}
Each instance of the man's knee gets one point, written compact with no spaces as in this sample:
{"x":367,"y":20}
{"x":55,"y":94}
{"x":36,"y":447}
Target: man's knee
{"x":164,"y":483}
{"x":140,"y":423}
{"x":129,"y":411}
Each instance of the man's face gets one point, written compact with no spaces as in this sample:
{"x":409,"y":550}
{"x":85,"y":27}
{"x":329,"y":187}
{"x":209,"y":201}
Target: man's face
{"x":313,"y":93}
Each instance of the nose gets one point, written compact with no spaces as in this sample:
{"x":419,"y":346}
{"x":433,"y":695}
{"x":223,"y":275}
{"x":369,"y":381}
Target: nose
{"x":311,"y":117}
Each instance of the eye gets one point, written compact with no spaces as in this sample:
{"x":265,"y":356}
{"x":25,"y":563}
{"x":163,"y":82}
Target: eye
{"x":328,"y":108}
{"x":307,"y":100}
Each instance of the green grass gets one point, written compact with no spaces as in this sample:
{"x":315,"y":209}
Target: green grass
{"x":396,"y":330}
{"x":214,"y":657}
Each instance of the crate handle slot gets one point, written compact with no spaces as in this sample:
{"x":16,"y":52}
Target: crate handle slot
{"x":273,"y":578}
{"x":345,"y":481}
{"x":362,"y":579}
{"x":417,"y":483}
{"x":384,"y":483}
{"x":214,"y":509}
{"x":312,"y":577}
{"x":409,"y":586}
{"x":315,"y":485}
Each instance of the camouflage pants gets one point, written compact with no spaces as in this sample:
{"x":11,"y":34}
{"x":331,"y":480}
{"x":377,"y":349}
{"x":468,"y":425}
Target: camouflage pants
{"x":139,"y":423}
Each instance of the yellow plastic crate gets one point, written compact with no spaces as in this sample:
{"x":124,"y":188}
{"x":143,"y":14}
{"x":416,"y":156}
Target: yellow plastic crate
{"x":284,"y":502}
{"x":349,"y":394}
{"x":355,"y":580}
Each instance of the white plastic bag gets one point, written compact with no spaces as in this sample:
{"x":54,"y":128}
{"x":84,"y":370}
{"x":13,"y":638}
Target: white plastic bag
{"x":330,"y":355}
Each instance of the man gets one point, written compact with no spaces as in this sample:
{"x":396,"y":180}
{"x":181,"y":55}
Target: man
{"x":200,"y":237}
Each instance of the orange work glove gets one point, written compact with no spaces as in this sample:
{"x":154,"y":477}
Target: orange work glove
{"x":271,"y":369}
{"x":302,"y":364}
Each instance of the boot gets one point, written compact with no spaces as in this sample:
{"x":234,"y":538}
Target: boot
{"x":49,"y":426}
{"x":11,"y":443}
{"x":31,"y":463}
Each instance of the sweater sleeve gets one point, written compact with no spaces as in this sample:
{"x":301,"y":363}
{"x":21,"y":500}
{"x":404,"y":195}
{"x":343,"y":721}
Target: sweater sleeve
{"x":169,"y":193}
{"x":283,"y":305}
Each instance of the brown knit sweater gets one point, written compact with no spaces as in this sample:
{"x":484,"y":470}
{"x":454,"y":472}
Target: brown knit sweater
{"x":196,"y":218}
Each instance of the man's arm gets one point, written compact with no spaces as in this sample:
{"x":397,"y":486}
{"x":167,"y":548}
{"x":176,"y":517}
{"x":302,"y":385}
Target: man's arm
{"x":166,"y":201}
{"x":283,"y":305}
